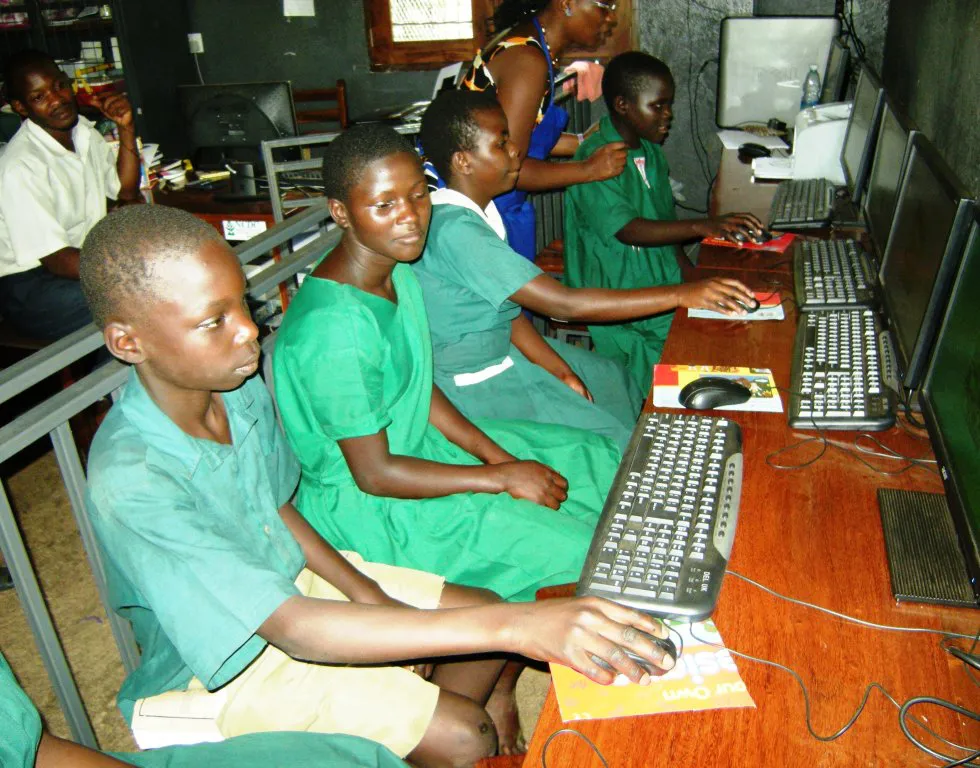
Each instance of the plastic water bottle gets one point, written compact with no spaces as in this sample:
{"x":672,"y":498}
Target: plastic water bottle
{"x":811,"y":88}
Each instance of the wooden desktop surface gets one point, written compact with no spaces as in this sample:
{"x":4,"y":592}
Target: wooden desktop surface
{"x":813,"y":534}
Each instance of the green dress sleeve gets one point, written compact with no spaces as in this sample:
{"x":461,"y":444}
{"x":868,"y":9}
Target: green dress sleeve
{"x":20,"y":732}
{"x":465,"y":250}
{"x":334,"y":358}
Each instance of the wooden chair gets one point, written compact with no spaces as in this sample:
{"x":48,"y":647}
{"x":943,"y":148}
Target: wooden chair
{"x":312,"y":119}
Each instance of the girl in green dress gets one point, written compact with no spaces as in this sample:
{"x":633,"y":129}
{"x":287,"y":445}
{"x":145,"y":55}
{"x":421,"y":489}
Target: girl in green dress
{"x":390,"y":468}
{"x":489,"y":359}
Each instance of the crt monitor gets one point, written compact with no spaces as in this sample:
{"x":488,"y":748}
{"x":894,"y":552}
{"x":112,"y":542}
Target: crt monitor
{"x":922,"y":255}
{"x":881,"y":195}
{"x":862,"y":128}
{"x":835,"y":75}
{"x":227,"y":116}
{"x":949,"y":399}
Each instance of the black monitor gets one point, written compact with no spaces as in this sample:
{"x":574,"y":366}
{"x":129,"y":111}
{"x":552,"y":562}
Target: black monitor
{"x":891,"y":152}
{"x":922,"y":255}
{"x":232,"y":116}
{"x":950,"y":402}
{"x":862,"y":128}
{"x":835,"y":75}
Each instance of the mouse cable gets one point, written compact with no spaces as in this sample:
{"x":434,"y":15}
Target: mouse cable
{"x":844,"y":616}
{"x":857,"y":712}
{"x":586,"y":739}
{"x":903,"y":714}
{"x":969,"y":658}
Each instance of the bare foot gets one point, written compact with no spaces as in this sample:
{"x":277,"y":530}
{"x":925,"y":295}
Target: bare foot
{"x":502,"y":708}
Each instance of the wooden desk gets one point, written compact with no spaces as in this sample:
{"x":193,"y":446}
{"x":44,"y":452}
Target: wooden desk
{"x":813,"y":534}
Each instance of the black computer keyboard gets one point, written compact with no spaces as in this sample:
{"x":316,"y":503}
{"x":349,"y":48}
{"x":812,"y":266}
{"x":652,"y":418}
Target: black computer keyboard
{"x":666,"y":531}
{"x":829,"y":274}
{"x":802,"y":204}
{"x":840,"y":370}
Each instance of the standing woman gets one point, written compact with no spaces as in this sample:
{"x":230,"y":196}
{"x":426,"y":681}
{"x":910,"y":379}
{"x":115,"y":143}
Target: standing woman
{"x":520,"y":66}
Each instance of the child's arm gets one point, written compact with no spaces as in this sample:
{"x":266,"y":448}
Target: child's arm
{"x":650,"y":232}
{"x":526,"y":338}
{"x":565,"y":631}
{"x":379,"y":472}
{"x":548,"y":297}
{"x":327,"y":563}
{"x":53,"y":752}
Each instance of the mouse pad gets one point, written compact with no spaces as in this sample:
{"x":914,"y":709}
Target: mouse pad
{"x":669,"y":380}
{"x":770,"y":308}
{"x":776,"y":245}
{"x":705,"y":677}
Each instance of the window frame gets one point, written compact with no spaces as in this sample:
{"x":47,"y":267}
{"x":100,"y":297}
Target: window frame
{"x":386,"y":54}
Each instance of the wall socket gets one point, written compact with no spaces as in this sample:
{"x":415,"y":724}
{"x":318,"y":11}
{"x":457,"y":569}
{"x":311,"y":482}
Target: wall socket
{"x":195,"y":41}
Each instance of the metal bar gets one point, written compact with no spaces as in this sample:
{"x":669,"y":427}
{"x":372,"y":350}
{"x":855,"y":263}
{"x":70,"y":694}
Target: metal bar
{"x":74,"y":478}
{"x":43,"y":418}
{"x":34,"y":368}
{"x":268,"y":278}
{"x":39,"y":620}
{"x":263,"y":243}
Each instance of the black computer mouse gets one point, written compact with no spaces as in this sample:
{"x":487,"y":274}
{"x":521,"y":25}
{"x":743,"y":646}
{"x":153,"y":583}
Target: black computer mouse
{"x":749,"y":307}
{"x":747,"y":152}
{"x":712,"y":391}
{"x":738,"y":236}
{"x":762,"y":236}
{"x":665,"y":644}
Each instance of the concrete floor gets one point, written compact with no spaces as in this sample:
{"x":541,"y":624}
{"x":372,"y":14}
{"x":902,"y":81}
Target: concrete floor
{"x":52,"y":540}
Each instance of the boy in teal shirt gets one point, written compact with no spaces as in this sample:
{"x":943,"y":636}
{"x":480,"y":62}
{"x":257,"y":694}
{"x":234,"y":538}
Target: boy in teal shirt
{"x":624,"y":232}
{"x":190,"y":487}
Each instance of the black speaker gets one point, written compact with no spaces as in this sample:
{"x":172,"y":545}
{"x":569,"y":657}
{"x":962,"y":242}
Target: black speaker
{"x":794,"y":7}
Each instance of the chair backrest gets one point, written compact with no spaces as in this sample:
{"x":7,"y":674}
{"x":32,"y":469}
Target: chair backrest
{"x":312,"y":113}
{"x":282,"y":172}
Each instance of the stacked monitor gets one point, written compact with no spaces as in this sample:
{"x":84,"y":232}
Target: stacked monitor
{"x":887,"y":169}
{"x":835,"y":74}
{"x":922,"y":255}
{"x":950,"y":400}
{"x":862,"y":128}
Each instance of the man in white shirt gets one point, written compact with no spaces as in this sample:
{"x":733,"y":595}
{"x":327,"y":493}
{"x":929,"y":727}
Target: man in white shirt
{"x":55,"y":176}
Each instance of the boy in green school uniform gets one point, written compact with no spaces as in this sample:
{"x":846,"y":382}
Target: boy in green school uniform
{"x":624,"y":232}
{"x":26,"y":744}
{"x":228,"y":589}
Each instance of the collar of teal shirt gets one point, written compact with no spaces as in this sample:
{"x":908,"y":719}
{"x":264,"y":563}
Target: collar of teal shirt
{"x":165,"y":438}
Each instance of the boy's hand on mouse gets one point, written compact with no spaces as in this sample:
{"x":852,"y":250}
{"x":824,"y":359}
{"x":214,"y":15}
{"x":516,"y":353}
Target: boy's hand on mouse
{"x":116,"y":107}
{"x":608,"y":161}
{"x":715,"y":293}
{"x":573,"y":631}
{"x":533,"y":481}
{"x":727,"y":226}
{"x":575,"y":383}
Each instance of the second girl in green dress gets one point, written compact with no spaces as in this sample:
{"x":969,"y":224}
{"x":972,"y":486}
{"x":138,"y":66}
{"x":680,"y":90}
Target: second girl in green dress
{"x":390,"y":467}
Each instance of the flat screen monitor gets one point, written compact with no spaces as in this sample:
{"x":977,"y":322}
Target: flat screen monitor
{"x":763,"y":63}
{"x":922,"y":256}
{"x":236,"y":115}
{"x":891,"y":152}
{"x":862,"y":127}
{"x":950,"y":397}
{"x":835,"y":75}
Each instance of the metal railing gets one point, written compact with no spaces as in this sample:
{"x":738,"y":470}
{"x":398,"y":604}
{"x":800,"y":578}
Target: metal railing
{"x":51,"y":418}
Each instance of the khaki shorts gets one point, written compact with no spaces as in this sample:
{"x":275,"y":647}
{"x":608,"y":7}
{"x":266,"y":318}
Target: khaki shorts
{"x":390,"y":705}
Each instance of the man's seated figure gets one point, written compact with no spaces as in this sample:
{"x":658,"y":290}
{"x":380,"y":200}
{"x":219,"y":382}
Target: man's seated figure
{"x":55,"y":176}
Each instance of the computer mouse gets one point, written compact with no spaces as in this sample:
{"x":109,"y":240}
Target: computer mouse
{"x":749,"y":307}
{"x":712,"y":391}
{"x":739,"y":237}
{"x":750,"y":151}
{"x":762,"y":236}
{"x":665,"y":644}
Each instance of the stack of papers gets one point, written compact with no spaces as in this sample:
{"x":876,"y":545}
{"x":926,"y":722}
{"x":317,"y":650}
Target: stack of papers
{"x":732,"y":139}
{"x":768,"y":168}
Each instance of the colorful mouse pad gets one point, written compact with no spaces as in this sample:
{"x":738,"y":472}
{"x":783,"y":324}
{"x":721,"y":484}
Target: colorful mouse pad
{"x":669,"y":380}
{"x":705,"y":677}
{"x":777,"y":244}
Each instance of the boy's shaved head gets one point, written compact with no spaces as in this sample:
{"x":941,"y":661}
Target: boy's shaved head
{"x":449,"y":126}
{"x":627,"y":73}
{"x":346,"y":157}
{"x":119,"y":257}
